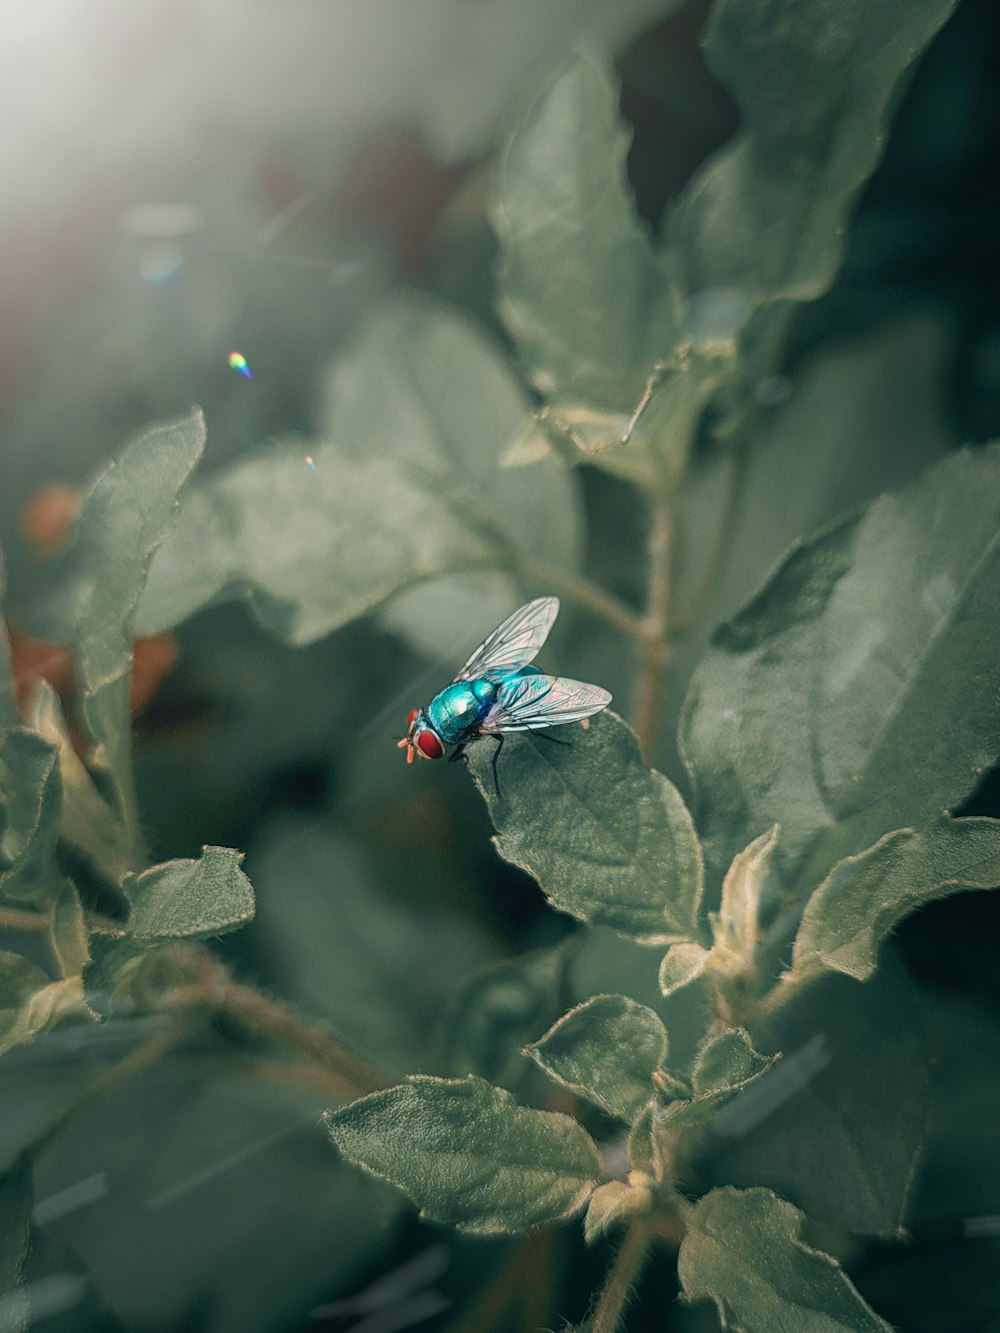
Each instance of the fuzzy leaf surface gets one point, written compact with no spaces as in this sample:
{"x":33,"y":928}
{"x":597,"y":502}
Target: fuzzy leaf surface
{"x":190,"y":899}
{"x":407,"y":488}
{"x":853,"y":1077}
{"x":468,"y":1155}
{"x":726,"y":1064}
{"x":30,"y":791}
{"x":813,"y":80}
{"x":87,"y":822}
{"x":609,"y":840}
{"x":743,"y":1252}
{"x":590,"y":304}
{"x":426,"y":388}
{"x":29,"y":1002}
{"x":606,"y":1051}
{"x":827,"y":704}
{"x":128,"y":512}
{"x":865,"y":896}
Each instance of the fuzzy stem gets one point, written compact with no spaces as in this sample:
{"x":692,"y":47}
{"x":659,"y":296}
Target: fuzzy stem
{"x":267,"y":1020}
{"x":16,"y":918}
{"x":622,"y":1277}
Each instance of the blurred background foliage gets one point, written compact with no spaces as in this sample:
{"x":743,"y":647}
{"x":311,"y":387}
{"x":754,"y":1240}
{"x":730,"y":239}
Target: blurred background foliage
{"x":187,"y":178}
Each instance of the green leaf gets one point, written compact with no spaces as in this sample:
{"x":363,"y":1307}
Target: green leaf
{"x":682,"y":964}
{"x":68,"y":934}
{"x":495,"y":1015}
{"x":606,"y":1050}
{"x":865,"y":896}
{"x":872,"y":413}
{"x":114,"y":972}
{"x":15,"y":1238}
{"x":188,"y":899}
{"x":30,"y":789}
{"x":839,"y":1123}
{"x":814,"y":82}
{"x":590,"y":305}
{"x":30,"y":1003}
{"x":409,"y":489}
{"x":643,"y":1146}
{"x":735,"y":927}
{"x":426,"y":388}
{"x":726,"y":1064}
{"x":128,"y":512}
{"x":608,"y":840}
{"x":87,"y":823}
{"x":828,"y":702}
{"x":743,"y":1251}
{"x":468,"y":1155}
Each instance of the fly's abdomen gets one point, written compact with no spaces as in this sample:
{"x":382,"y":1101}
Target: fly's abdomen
{"x":456,"y":712}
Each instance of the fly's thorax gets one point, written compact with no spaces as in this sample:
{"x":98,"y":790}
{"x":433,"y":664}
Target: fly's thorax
{"x":459,"y":708}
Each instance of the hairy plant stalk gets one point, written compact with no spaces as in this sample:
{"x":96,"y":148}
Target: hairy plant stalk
{"x":268,"y":1020}
{"x":17,"y":918}
{"x":622,"y":1277}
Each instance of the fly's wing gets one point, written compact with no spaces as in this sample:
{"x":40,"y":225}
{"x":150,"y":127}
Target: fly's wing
{"x":529,"y":702}
{"x":514,"y":643}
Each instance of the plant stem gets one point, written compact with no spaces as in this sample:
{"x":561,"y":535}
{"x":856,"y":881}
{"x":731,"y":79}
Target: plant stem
{"x":622,"y":1277}
{"x":266,"y":1019}
{"x":656,"y":649}
{"x":786,"y":988}
{"x":736,"y":476}
{"x":16,"y":918}
{"x":588,"y":595}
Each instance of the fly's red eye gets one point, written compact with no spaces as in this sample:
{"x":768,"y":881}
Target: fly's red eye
{"x":429,"y":745}
{"x":415,"y":713}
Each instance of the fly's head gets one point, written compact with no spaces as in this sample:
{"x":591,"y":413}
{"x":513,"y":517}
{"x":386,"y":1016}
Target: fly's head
{"x":420,"y":738}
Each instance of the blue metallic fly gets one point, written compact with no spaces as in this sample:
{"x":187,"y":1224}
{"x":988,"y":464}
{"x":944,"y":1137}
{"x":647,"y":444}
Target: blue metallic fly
{"x":497,"y":691}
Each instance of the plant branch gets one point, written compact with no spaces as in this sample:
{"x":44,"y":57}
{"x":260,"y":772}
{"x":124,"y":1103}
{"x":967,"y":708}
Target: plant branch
{"x":656,"y":649}
{"x":264,"y":1018}
{"x":622,"y":1276}
{"x":16,"y":918}
{"x":588,"y":595}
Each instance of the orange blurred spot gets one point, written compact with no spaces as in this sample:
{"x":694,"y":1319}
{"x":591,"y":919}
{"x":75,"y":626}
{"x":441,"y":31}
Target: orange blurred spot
{"x":34,"y":659}
{"x":47,"y":519}
{"x":153,"y":658}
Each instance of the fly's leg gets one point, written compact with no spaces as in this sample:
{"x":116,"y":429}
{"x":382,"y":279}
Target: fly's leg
{"x":459,"y":753}
{"x":499,"y":739}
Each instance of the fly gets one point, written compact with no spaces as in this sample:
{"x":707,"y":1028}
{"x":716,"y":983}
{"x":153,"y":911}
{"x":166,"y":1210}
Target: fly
{"x":499,"y":691}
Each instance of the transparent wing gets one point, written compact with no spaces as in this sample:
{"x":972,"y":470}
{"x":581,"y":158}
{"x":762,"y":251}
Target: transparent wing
{"x":514,"y":643}
{"x":530,"y":702}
